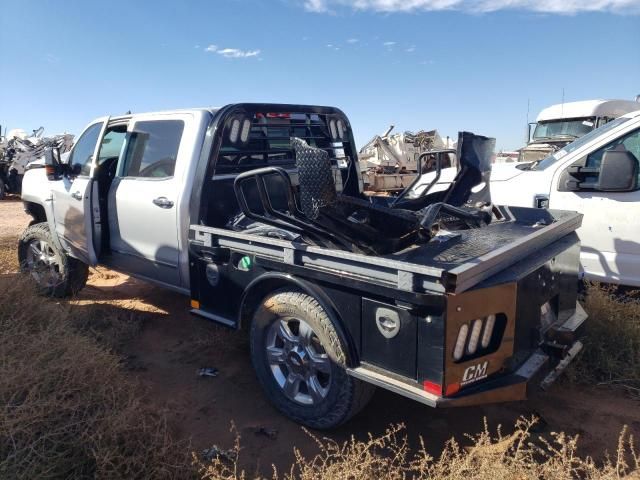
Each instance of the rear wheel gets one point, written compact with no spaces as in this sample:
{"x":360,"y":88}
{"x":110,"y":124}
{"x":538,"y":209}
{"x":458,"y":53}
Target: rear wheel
{"x":55,"y":273}
{"x":300,"y":362}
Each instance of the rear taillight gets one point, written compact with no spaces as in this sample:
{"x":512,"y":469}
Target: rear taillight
{"x":477,"y":337}
{"x":461,"y":341}
{"x":474,"y":339}
{"x":489,"y":325}
{"x":278,"y":115}
{"x":437,"y":389}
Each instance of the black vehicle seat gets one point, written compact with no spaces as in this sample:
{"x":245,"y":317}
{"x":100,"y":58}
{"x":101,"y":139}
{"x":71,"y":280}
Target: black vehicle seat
{"x":381,"y":229}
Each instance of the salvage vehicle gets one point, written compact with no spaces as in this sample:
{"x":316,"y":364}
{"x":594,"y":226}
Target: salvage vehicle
{"x":389,"y":162}
{"x":17,"y":151}
{"x":256,"y":211}
{"x":596,"y":175}
{"x":560,"y":124}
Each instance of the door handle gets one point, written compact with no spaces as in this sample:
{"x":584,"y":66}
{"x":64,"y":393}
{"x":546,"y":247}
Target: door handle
{"x":77,"y":195}
{"x":163,"y":202}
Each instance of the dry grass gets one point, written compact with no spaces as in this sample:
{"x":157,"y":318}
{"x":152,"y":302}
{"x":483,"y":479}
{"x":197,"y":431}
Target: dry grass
{"x":612,"y":341}
{"x":67,"y":409}
{"x":520,"y":455}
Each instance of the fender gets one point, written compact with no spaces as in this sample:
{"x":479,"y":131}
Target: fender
{"x":36,"y":191}
{"x":268,"y":282}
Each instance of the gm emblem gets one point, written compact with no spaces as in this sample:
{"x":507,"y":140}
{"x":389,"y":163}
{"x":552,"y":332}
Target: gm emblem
{"x":475,"y":373}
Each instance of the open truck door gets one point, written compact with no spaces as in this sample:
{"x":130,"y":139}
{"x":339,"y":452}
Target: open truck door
{"x":73,"y":196}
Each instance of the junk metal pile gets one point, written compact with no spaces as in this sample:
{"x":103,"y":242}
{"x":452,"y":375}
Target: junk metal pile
{"x":17,"y":150}
{"x":389,"y":162}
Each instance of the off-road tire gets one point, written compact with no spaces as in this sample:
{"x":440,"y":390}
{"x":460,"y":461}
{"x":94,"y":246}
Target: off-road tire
{"x":73,"y":272}
{"x":346,"y":395}
{"x":3,"y":189}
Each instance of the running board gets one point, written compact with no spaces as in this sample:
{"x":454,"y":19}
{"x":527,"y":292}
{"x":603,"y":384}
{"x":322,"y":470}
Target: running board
{"x":393,"y":385}
{"x":216,"y":318}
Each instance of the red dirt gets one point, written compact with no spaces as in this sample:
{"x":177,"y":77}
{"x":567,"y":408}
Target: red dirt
{"x":173,"y":345}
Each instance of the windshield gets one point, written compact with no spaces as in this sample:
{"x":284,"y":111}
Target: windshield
{"x":575,"y":127}
{"x":551,"y":159}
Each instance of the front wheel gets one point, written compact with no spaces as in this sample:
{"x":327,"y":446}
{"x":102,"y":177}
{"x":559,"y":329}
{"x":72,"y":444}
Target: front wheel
{"x":300,"y":362}
{"x":55,"y":273}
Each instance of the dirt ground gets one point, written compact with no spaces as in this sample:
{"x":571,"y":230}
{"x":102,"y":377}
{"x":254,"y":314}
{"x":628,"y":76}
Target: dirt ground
{"x":174,"y":344}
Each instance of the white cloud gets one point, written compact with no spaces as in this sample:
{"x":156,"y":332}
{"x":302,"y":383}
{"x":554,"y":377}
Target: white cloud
{"x":540,"y":6}
{"x":389,"y":44}
{"x":411,"y":49}
{"x":352,"y":40}
{"x":237,"y":53}
{"x":316,"y":5}
{"x":232,"y":52}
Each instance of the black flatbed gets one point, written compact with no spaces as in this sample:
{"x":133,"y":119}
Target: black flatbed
{"x":452,"y":266}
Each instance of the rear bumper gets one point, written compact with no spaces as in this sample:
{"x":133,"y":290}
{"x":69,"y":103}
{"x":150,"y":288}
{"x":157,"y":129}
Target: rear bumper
{"x":539,"y":371}
{"x":535,"y":373}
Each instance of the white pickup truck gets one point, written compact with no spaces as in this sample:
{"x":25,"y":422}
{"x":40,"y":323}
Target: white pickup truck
{"x":570,"y":179}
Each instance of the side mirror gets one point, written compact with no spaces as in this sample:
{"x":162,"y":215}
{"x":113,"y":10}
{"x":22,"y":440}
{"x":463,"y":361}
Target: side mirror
{"x":52,"y":164}
{"x":618,"y":171}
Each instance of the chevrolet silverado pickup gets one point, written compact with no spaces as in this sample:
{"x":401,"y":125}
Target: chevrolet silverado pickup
{"x":256,"y":212}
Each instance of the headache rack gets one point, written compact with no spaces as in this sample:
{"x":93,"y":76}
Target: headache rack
{"x":269,"y":134}
{"x":452,"y":266}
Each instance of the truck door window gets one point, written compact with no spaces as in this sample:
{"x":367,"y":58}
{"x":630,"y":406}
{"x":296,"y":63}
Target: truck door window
{"x":111,"y":144}
{"x":631,"y":143}
{"x":82,"y":153}
{"x":152,"y":149}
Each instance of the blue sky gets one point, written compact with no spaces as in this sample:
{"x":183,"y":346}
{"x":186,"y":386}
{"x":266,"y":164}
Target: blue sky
{"x":421,"y":64}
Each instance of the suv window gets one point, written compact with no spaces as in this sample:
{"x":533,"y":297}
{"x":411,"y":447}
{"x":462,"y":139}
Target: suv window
{"x":630,"y":141}
{"x":82,"y":153}
{"x":152,"y":149}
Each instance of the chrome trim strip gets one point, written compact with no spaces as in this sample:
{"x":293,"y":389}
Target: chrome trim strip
{"x":216,"y":318}
{"x":393,"y":385}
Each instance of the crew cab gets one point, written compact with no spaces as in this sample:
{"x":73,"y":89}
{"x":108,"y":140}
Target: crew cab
{"x":256,"y":213}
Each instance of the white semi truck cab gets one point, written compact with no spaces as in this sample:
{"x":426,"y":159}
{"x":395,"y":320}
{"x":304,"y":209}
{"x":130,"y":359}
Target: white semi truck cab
{"x":560,"y":124}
